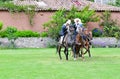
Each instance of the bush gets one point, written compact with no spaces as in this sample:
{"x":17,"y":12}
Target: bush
{"x":117,"y":35}
{"x":12,"y":32}
{"x":43,"y":34}
{"x":8,"y":31}
{"x":96,"y":32}
{"x":1,"y":25}
{"x":27,"y":33}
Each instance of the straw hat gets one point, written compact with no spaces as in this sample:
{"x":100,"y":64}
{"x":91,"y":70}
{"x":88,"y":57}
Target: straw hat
{"x":77,"y":19}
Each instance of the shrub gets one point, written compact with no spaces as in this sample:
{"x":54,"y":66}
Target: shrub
{"x":27,"y":33}
{"x":1,"y":25}
{"x":43,"y":34}
{"x":109,"y":26}
{"x":8,"y":32}
{"x":96,"y":32}
{"x":12,"y":32}
{"x":117,"y":35}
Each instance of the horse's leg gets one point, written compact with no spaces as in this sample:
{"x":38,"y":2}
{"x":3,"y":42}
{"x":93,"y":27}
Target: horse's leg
{"x":74,"y":52}
{"x":78,"y":51}
{"x":86,"y":50}
{"x":66,"y":52}
{"x":82,"y":53}
{"x":89,"y":52}
{"x":59,"y":51}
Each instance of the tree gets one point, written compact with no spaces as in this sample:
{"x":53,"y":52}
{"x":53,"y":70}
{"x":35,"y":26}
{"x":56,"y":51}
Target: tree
{"x":110,"y":28}
{"x":118,"y":3}
{"x":61,"y":16}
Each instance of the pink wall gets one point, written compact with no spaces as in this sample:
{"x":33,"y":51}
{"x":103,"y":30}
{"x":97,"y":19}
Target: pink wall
{"x":21,"y":21}
{"x":114,"y":16}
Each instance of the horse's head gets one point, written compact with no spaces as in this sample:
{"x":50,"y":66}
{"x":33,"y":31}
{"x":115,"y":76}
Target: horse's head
{"x":88,"y":33}
{"x":71,"y":29}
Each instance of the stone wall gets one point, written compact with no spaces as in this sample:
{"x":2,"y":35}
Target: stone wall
{"x":48,"y":42}
{"x":105,"y":42}
{"x":28,"y":42}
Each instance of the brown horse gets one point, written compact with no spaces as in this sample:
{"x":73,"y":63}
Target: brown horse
{"x":78,"y":46}
{"x":88,"y":35}
{"x":81,"y":43}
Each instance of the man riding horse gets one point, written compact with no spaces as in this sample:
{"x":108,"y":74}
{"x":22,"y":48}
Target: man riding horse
{"x":67,"y":38}
{"x":64,"y":30}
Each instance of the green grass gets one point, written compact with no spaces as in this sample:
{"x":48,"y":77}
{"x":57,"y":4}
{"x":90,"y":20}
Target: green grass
{"x":45,"y":64}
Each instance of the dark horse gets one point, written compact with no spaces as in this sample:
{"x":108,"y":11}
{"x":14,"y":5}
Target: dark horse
{"x":68,"y":42}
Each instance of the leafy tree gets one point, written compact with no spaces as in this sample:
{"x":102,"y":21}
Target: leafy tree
{"x":110,"y":28}
{"x":55,"y":24}
{"x":118,"y":3}
{"x":61,"y":16}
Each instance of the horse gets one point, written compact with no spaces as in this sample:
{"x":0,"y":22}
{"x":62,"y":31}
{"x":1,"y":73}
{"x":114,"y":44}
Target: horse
{"x":82,"y":43}
{"x":68,"y":42}
{"x":78,"y":46}
{"x":88,"y":35}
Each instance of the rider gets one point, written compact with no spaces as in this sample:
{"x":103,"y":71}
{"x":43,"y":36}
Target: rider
{"x":78,"y":25}
{"x":80,"y":29}
{"x":64,"y":30}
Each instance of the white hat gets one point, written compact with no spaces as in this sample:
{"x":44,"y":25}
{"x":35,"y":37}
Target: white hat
{"x":79,"y":20}
{"x":68,"y":22}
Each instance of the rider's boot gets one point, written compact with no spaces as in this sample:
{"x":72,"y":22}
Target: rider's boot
{"x":61,"y":39}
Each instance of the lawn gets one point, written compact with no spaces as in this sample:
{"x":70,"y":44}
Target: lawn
{"x":45,"y":64}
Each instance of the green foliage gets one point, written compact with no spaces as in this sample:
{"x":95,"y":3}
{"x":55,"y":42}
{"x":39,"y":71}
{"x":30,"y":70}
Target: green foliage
{"x":110,"y":28}
{"x":96,"y":32}
{"x":13,"y":33}
{"x":85,"y":14}
{"x":55,"y":24}
{"x":117,"y":3}
{"x":43,"y":34}
{"x":27,"y":33}
{"x":9,"y":32}
{"x":5,"y":0}
{"x":117,"y":35}
{"x":61,"y":16}
{"x":29,"y":10}
{"x":1,"y":25}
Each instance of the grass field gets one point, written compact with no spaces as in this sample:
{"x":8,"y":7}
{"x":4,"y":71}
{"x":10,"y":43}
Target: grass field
{"x":45,"y":64}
